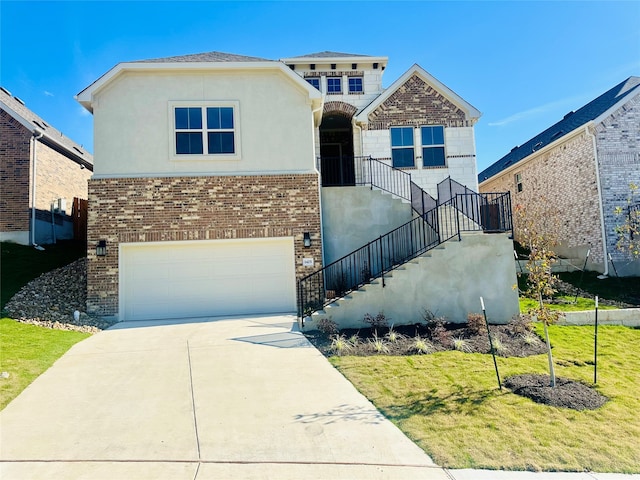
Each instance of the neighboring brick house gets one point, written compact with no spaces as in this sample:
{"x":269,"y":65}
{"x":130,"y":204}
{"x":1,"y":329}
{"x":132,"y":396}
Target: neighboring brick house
{"x":37,"y":162}
{"x":583,"y":166}
{"x":206,"y":195}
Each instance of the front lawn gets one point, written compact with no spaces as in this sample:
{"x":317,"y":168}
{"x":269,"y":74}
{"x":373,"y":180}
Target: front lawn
{"x":449,"y":404}
{"x":21,"y":264}
{"x":26,"y":352}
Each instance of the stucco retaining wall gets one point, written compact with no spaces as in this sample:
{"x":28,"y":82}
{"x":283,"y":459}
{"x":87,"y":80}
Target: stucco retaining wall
{"x":448,"y":281}
{"x":629,"y":317}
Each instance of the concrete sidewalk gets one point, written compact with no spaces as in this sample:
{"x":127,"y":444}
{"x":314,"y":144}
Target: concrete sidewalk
{"x":239,"y":398}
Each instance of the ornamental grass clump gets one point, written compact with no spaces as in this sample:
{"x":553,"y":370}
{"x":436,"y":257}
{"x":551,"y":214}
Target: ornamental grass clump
{"x":340,"y":345}
{"x":422,"y":346}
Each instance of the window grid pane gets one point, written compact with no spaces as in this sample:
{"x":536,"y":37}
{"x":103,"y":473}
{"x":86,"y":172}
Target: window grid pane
{"x":402,"y":136}
{"x":334,"y":85}
{"x":189,"y":143}
{"x":433,"y":157}
{"x":355,"y":85}
{"x":314,"y":81}
{"x":402,"y":157}
{"x":432,"y":135}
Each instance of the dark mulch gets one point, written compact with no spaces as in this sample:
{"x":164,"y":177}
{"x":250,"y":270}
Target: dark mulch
{"x":567,"y":393}
{"x":512,"y":340}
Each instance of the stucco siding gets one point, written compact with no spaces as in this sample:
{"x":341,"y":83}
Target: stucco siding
{"x":355,"y":216}
{"x":134,"y":130}
{"x":447,"y":281}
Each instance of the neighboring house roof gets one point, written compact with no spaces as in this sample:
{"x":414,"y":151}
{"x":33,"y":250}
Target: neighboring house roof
{"x":51,"y":136}
{"x":416,"y":69}
{"x":592,"y":111}
{"x":206,"y":57}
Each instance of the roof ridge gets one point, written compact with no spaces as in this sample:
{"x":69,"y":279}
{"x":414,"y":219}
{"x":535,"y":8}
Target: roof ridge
{"x":213,"y":56}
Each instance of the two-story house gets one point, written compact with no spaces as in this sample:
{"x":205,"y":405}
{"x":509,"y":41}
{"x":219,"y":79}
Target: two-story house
{"x":226,"y":184}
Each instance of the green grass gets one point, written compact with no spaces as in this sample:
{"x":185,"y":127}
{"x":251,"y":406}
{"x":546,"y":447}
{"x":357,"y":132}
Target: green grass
{"x":450,"y":405}
{"x":527,"y":304}
{"x":21,"y":264}
{"x":27,"y":351}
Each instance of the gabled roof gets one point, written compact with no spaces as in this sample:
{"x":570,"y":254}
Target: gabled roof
{"x":592,"y":111}
{"x":51,"y":136}
{"x":416,"y":69}
{"x":335,"y":57}
{"x":328,"y":54}
{"x":211,"y":61}
{"x":206,"y":57}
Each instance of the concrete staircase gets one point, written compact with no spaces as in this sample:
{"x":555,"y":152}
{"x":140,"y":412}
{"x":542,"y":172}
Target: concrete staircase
{"x":447,"y":280}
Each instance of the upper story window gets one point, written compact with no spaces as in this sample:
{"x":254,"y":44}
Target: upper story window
{"x":518,"y":181}
{"x":205,"y":130}
{"x":355,"y":85}
{"x":334,"y":85}
{"x":433,"y":146}
{"x":402,"y":147}
{"x":314,"y":81}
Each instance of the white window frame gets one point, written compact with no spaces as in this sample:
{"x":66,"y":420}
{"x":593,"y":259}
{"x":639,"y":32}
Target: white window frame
{"x":355,"y":92}
{"x":517,"y":178}
{"x":339,"y":79}
{"x":203,"y":105}
{"x":411,"y":147}
{"x":434,"y":145}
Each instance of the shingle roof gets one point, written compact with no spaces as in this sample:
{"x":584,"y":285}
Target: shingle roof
{"x":17,"y":107}
{"x":206,"y":57}
{"x":328,"y":54}
{"x":569,"y":123}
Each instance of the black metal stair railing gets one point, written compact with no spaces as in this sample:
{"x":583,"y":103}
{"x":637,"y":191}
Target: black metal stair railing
{"x":389,"y":251}
{"x":490,"y":210}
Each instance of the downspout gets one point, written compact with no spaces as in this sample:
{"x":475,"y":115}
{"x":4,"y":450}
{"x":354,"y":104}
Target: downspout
{"x":36,"y":136}
{"x":600,"y":204}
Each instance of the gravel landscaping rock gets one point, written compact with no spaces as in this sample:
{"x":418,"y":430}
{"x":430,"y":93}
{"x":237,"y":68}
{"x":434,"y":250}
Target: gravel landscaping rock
{"x":51,"y":300}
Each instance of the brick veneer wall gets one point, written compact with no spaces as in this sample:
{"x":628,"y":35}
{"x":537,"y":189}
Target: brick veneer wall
{"x":15,"y":154}
{"x":416,"y":103}
{"x":342,"y":108}
{"x":566,"y":177}
{"x":59,"y":177}
{"x":123,"y":210}
{"x":618,"y":143}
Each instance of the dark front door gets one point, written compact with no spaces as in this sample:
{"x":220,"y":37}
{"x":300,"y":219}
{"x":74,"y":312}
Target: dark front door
{"x":336,"y":152}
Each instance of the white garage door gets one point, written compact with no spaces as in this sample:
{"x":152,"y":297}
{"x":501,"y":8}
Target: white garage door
{"x":206,"y":278}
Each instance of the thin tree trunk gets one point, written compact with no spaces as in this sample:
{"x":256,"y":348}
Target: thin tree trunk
{"x":552,"y":372}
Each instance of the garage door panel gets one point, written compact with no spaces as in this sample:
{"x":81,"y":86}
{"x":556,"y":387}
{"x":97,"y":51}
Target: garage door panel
{"x":208,"y":278}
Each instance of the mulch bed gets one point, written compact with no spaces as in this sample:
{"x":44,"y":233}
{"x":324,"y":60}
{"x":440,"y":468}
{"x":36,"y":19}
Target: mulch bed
{"x":567,"y":393}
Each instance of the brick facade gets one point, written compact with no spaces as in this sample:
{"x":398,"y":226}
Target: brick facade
{"x":15,"y":154}
{"x":416,"y":103}
{"x":561,"y":179}
{"x":342,"y":108}
{"x":123,"y":210}
{"x":618,"y":144}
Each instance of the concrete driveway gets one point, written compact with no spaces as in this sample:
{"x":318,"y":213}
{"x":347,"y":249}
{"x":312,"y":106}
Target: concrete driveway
{"x":226,"y":398}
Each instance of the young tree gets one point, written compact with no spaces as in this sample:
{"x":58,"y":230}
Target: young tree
{"x":628,"y":227}
{"x":537,"y":229}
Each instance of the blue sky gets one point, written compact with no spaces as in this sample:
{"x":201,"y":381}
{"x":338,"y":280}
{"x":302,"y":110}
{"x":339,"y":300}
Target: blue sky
{"x":524,"y":65}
